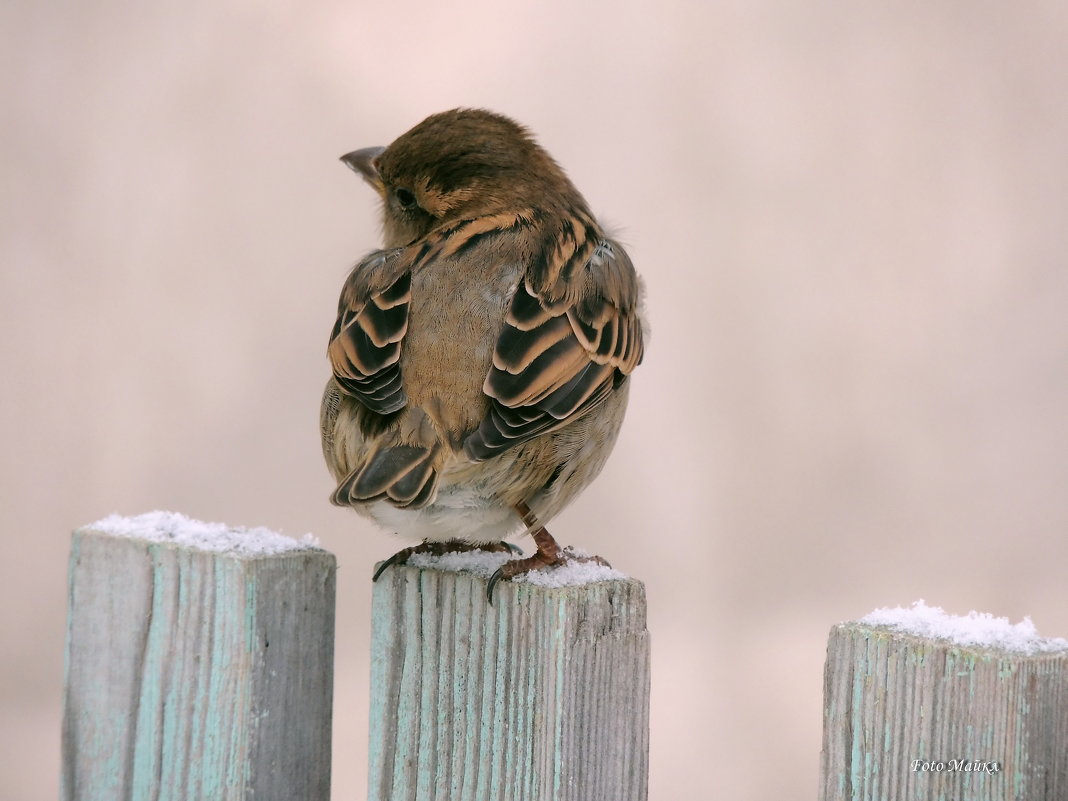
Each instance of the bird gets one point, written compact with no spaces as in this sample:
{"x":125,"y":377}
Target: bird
{"x":481,"y":358}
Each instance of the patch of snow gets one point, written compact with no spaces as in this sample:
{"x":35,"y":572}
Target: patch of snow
{"x":485,"y":563}
{"x":571,"y":574}
{"x":481,"y":563}
{"x":177,"y":529}
{"x":974,"y":629}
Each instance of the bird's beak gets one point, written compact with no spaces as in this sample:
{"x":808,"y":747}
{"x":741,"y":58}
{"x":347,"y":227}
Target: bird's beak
{"x":363,"y":162}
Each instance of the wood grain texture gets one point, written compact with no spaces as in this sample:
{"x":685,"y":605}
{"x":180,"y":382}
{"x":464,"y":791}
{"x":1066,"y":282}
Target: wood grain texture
{"x":910,"y":718}
{"x":196,"y":675}
{"x":542,"y":696}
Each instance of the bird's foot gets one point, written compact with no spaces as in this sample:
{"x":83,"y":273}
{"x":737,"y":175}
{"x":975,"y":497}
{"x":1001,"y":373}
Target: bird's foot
{"x":517,"y":567}
{"x":549,"y":554}
{"x":441,"y":547}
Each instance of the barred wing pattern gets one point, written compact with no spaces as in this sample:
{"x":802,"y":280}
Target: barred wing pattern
{"x":372,"y":319}
{"x":572,"y":335}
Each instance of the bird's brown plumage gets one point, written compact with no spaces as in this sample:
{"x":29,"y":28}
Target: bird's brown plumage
{"x":480,"y":360}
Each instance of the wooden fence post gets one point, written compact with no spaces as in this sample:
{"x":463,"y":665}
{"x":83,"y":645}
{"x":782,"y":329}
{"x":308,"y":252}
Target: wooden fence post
{"x":199,"y":671}
{"x":912,"y":717}
{"x":542,"y":696}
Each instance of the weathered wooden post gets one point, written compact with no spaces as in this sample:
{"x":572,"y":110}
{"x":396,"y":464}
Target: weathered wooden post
{"x":939,"y":707}
{"x":199,"y":664}
{"x":541,"y":696}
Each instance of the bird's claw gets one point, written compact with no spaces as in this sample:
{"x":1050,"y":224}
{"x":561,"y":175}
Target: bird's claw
{"x":538,"y":561}
{"x":399,"y":558}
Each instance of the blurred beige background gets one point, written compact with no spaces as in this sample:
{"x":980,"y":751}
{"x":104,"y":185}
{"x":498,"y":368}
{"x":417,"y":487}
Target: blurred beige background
{"x":853,"y":224}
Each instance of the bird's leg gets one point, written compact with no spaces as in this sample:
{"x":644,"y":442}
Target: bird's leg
{"x":548,"y":553}
{"x":439,"y":547}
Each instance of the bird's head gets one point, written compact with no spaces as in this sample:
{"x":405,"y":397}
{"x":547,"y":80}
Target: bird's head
{"x":459,"y":164}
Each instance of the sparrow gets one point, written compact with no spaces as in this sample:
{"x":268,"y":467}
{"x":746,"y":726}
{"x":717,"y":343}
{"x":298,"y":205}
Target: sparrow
{"x":480,"y":359}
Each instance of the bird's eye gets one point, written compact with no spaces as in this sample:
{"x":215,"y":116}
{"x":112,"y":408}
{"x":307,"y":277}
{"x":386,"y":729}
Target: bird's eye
{"x":405,"y":198}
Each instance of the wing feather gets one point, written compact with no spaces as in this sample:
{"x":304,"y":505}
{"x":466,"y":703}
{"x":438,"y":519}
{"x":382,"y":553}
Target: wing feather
{"x":572,"y":334}
{"x":365,"y":345}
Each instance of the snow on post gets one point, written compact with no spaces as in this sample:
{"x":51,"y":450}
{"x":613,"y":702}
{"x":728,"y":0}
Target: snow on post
{"x":542,"y":695}
{"x":199,"y":663}
{"x":921,"y":704}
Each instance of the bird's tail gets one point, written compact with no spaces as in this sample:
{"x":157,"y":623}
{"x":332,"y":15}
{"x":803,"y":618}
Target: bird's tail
{"x":405,"y":475}
{"x":402,"y":469}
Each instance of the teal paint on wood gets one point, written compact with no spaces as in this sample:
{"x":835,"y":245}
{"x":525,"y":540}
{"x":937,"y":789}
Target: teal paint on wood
{"x":543,"y":695}
{"x":196,"y":675}
{"x":891,"y":699}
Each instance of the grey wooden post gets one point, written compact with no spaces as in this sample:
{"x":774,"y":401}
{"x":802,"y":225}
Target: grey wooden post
{"x":194,"y":674}
{"x":907,"y":717}
{"x":542,"y":696}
